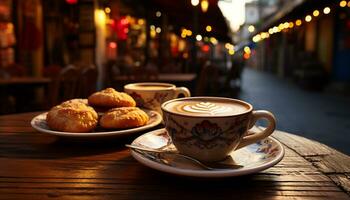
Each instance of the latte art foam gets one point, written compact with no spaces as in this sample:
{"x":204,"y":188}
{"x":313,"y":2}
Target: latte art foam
{"x":207,"y":108}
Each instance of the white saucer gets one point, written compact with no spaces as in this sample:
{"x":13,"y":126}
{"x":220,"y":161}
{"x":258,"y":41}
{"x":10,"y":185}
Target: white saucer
{"x":253,"y":158}
{"x":39,"y":123}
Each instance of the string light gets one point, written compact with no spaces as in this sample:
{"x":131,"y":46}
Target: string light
{"x":108,"y":10}
{"x":194,"y":2}
{"x":349,"y":4}
{"x":204,"y":5}
{"x":208,"y":28}
{"x":298,"y":22}
{"x":326,"y":10}
{"x":291,"y":24}
{"x":308,"y":18}
{"x":316,"y":13}
{"x":158,"y":30}
{"x":342,"y":4}
{"x":251,"y":29}
{"x":158,"y":14}
{"x":198,"y":37}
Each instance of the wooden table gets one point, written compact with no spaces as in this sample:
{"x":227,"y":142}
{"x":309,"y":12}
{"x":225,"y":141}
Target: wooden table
{"x":39,"y":166}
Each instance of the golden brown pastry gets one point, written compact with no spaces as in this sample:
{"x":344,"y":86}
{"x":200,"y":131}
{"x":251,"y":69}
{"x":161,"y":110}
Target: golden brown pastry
{"x":110,"y":98}
{"x":124,"y":117}
{"x":72,"y":116}
{"x":84,"y":101}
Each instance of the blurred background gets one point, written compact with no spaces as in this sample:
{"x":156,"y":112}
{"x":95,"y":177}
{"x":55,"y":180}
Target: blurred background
{"x":289,"y":57}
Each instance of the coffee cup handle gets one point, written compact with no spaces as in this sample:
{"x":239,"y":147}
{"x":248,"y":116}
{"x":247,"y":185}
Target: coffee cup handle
{"x":253,"y":136}
{"x":182,"y":90}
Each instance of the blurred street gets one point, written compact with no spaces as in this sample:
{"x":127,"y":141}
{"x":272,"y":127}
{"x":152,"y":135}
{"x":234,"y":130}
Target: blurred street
{"x":319,"y":116}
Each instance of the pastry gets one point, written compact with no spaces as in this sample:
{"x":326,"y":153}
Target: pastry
{"x":110,"y":98}
{"x":72,"y":116}
{"x":124,"y":117}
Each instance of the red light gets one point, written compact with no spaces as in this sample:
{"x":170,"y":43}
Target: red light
{"x":205,"y":48}
{"x":72,"y":1}
{"x":246,"y":56}
{"x":112,"y":45}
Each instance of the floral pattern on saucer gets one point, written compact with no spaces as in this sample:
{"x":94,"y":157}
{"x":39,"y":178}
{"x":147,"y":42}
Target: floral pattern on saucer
{"x":254,"y":158}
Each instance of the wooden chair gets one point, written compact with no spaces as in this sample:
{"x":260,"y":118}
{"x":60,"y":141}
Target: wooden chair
{"x":64,"y":86}
{"x":87,"y":81}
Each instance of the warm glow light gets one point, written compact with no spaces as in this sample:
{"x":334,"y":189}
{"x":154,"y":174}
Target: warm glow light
{"x":275,"y":29}
{"x":229,"y":46}
{"x":291,"y":24}
{"x":112,"y":45}
{"x":257,"y":38}
{"x":326,"y":10}
{"x":247,"y":50}
{"x":316,"y":13}
{"x":183,"y":35}
{"x":342,"y":4}
{"x":286,"y":25}
{"x":153,"y":33}
{"x":141,"y":21}
{"x":158,"y":14}
{"x":189,"y":33}
{"x":271,"y":31}
{"x":158,"y":30}
{"x":204,"y":5}
{"x":213,"y":40}
{"x":349,"y":4}
{"x":152,"y":27}
{"x":108,"y":10}
{"x":246,"y":56}
{"x":298,"y":22}
{"x":251,"y":29}
{"x":264,"y":35}
{"x":308,"y":18}
{"x":194,"y":2}
{"x":231,"y":52}
{"x":100,"y":17}
{"x":208,"y":28}
{"x":198,"y":37}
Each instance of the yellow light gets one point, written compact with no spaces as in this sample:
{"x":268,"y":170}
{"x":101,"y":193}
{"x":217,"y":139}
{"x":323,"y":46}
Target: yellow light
{"x":298,"y":22}
{"x":291,"y":24}
{"x":280,"y":27}
{"x":141,"y":21}
{"x":316,"y":13}
{"x":152,"y":27}
{"x":153,"y":33}
{"x":108,"y":10}
{"x":231,"y":51}
{"x":198,"y":37}
{"x":158,"y":14}
{"x":183,"y":35}
{"x":100,"y":17}
{"x":257,"y":38}
{"x":286,"y":25}
{"x":208,"y":28}
{"x":275,"y":29}
{"x":204,"y":5}
{"x":227,"y":45}
{"x":264,"y":35}
{"x":158,"y":30}
{"x":189,"y":33}
{"x":308,"y":18}
{"x":213,"y":40}
{"x":349,"y":4}
{"x":251,"y":29}
{"x":194,"y":2}
{"x":247,"y":50}
{"x":326,"y":10}
{"x":271,"y":31}
{"x":342,"y":4}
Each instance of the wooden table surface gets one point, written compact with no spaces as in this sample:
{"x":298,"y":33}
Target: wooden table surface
{"x":39,"y":166}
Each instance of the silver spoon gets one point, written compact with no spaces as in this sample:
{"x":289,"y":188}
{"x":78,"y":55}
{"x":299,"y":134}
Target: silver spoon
{"x":204,"y":165}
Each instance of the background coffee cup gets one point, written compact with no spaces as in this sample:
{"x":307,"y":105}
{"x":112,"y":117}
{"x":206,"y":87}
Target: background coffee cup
{"x":209,"y":128}
{"x":151,"y":95}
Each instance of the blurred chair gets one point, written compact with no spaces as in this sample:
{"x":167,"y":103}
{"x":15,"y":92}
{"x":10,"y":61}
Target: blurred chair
{"x":65,"y":85}
{"x":52,"y":70}
{"x":207,"y":83}
{"x":87,"y":81}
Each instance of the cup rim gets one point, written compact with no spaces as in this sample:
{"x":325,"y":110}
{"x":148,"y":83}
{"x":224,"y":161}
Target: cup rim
{"x":170,"y":86}
{"x":207,"y":97}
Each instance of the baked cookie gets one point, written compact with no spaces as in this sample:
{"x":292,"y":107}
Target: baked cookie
{"x":110,"y":98}
{"x":124,"y":117}
{"x":84,"y":101}
{"x":72,"y":116}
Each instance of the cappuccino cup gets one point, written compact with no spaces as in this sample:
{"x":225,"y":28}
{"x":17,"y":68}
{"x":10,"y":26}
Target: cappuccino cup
{"x":151,"y":95}
{"x":210,"y":128}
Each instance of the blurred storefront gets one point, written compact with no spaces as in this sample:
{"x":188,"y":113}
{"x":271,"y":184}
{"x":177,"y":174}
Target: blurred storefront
{"x":307,"y":41}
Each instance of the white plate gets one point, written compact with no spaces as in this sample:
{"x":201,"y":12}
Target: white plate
{"x":253,"y":158}
{"x":39,"y":123}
